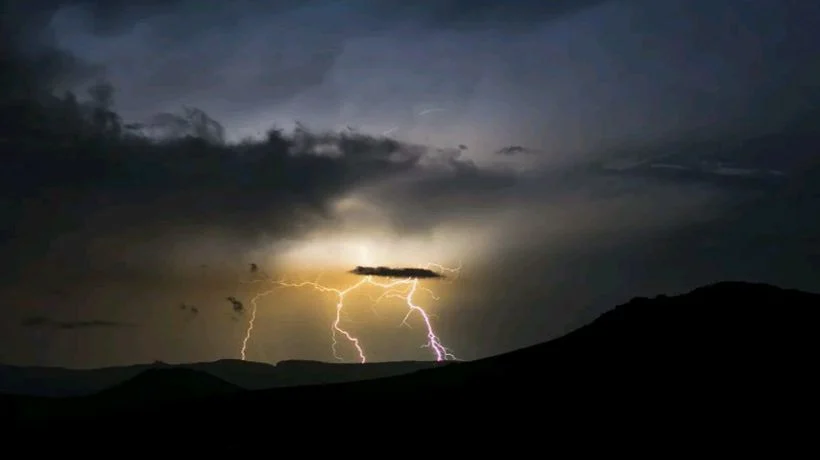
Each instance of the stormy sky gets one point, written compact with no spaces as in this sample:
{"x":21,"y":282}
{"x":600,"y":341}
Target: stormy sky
{"x":569,"y":154}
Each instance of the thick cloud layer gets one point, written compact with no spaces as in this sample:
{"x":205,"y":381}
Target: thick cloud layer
{"x":568,"y":79}
{"x":109,"y":198}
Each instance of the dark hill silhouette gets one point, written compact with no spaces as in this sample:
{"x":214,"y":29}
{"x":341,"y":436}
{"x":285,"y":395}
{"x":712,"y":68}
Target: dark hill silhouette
{"x":715,"y":342}
{"x":302,"y":372}
{"x":155,"y":386}
{"x":166,"y":384}
{"x":722,"y":332}
{"x":61,"y":382}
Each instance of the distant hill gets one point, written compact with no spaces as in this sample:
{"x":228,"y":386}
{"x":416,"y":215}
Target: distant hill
{"x":166,"y":384}
{"x":720,"y":341}
{"x":62,"y":382}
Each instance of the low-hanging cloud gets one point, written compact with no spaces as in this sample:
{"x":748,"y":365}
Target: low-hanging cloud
{"x":120,"y":194}
{"x":389,"y":272}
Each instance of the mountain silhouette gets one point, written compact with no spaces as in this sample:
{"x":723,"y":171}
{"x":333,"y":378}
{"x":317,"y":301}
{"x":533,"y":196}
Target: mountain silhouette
{"x":166,"y":384}
{"x":249,"y":375}
{"x":708,"y":344}
{"x":154,"y":388}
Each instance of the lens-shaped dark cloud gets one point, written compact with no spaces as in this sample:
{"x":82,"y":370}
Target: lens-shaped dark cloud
{"x":55,"y":324}
{"x":388,"y":272}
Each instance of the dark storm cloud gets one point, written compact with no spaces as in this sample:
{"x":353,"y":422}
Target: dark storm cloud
{"x":111,"y":16}
{"x":388,"y":272}
{"x":249,"y":56}
{"x":95,"y":198}
{"x":466,"y":14}
{"x":30,"y":59}
{"x":186,"y":51}
{"x":133,"y":191}
{"x":259,"y":191}
{"x":117,"y":16}
{"x":247,"y":64}
{"x":244,"y":63}
{"x":51,"y":323}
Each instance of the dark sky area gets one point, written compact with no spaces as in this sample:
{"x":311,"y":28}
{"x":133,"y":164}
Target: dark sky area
{"x":569,"y":154}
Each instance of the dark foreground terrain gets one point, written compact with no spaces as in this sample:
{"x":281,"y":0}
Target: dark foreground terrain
{"x":248,"y":375}
{"x":724,"y":345}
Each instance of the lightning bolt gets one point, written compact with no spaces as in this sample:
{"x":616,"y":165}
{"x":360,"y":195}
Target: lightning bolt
{"x":249,"y":330}
{"x":404,"y":289}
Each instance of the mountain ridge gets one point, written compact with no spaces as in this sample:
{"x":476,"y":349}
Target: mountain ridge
{"x":68,"y":382}
{"x":713,"y":339}
{"x":706,"y":343}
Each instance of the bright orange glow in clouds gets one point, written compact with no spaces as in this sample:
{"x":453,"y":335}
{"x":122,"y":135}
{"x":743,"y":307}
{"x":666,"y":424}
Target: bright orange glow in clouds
{"x":405,"y":289}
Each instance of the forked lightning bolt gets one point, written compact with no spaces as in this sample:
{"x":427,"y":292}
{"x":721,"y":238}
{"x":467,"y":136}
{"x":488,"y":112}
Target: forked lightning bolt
{"x":404,"y":289}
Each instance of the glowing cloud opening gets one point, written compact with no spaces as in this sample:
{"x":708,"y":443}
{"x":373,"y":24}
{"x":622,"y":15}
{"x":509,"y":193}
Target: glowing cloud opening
{"x":403,"y":288}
